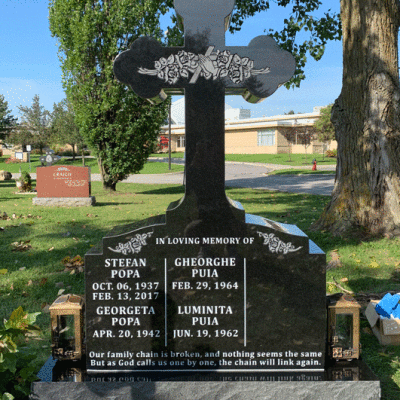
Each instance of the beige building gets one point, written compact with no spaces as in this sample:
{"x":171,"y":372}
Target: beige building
{"x":268,"y":135}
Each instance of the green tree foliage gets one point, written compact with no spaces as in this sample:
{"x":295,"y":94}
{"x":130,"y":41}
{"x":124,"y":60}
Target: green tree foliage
{"x":7,"y":121}
{"x":64,"y":128}
{"x":16,"y":360}
{"x":118,"y":125}
{"x":302,"y":21}
{"x":323,"y":126}
{"x":34,"y":128}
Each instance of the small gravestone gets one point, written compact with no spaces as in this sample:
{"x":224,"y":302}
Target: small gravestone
{"x":63,"y":185}
{"x":50,"y":158}
{"x":206,"y":292}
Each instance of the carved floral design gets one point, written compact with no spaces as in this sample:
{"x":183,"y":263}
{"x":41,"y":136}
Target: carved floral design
{"x":134,"y":245}
{"x":275,"y":245}
{"x":213,"y":64}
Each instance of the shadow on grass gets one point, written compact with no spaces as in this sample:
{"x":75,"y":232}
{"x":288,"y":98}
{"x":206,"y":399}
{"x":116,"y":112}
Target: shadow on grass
{"x":33,"y":277}
{"x":6,"y":184}
{"x":105,"y":203}
{"x":372,"y":282}
{"x":168,"y":190}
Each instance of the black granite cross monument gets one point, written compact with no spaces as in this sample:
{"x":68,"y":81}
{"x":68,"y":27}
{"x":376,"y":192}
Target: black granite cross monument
{"x":206,"y":286}
{"x":206,"y":69}
{"x":205,"y":292}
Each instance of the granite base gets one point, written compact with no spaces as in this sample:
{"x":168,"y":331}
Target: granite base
{"x":340,"y":380}
{"x":64,"y":201}
{"x":361,"y":390}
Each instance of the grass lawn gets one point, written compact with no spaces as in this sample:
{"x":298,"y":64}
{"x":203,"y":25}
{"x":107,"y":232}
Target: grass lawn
{"x":299,"y":172}
{"x":34,"y":277}
{"x":282,"y":159}
{"x":149,"y":167}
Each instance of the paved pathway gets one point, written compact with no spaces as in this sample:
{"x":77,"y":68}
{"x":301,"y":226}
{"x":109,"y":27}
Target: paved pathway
{"x":250,"y":175}
{"x":255,"y":176}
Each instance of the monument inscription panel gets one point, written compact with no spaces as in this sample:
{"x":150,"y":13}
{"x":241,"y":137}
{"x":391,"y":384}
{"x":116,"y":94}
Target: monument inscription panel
{"x":158,"y":302}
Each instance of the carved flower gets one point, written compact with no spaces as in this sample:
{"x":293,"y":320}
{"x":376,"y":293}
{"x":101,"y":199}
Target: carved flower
{"x":173,"y":74}
{"x":235,"y":75}
{"x":223,"y":58}
{"x":193,"y":60}
{"x":236,"y":59}
{"x":224,"y":72}
{"x":184,"y":73}
{"x":183,"y":58}
{"x":171,"y":59}
{"x":184,"y":61}
{"x":163,"y":62}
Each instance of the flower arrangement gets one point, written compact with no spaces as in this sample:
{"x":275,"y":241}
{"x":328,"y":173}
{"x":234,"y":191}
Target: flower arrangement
{"x":24,"y":182}
{"x":13,"y":160}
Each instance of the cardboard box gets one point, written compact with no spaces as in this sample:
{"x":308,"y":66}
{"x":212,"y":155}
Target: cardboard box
{"x":386,"y":330}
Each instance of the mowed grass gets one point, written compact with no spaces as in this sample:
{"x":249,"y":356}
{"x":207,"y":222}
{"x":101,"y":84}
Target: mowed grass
{"x":281,"y":159}
{"x":149,"y":167}
{"x":300,"y":172}
{"x":33,"y":278}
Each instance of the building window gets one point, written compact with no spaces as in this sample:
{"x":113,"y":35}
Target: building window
{"x":266,"y":137}
{"x":181,"y":141}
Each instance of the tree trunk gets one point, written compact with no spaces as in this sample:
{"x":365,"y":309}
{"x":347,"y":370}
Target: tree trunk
{"x":73,"y":152}
{"x":108,"y":183}
{"x":366,"y":117}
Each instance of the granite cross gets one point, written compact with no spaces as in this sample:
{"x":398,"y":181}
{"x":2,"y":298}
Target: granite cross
{"x":205,"y":69}
{"x":49,"y":158}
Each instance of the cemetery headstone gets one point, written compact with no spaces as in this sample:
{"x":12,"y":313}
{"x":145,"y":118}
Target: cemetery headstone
{"x":205,"y":287}
{"x":206,"y":291}
{"x":50,"y":158}
{"x":63,"y":185}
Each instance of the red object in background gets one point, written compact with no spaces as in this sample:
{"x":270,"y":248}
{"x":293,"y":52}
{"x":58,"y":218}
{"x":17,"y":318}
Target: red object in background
{"x":63,"y":181}
{"x":163,"y":142}
{"x":314,"y":167}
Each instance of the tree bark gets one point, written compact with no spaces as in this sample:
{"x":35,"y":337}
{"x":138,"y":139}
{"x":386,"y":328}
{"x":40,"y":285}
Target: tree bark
{"x":108,"y":183}
{"x":366,"y":117}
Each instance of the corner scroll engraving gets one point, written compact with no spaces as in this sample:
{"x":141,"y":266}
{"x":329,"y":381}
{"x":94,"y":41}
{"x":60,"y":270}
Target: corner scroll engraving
{"x":212,"y":64}
{"x":275,"y":245}
{"x":134,"y":245}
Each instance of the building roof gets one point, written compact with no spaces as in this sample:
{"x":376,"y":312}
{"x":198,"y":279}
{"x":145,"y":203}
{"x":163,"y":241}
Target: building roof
{"x":306,"y":119}
{"x":231,"y":114}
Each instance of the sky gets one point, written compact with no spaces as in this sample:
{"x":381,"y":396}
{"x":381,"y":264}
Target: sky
{"x":29,"y":63}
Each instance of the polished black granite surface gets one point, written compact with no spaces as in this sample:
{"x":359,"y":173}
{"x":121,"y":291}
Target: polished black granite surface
{"x":206,"y":292}
{"x":205,"y":287}
{"x":245,"y":294}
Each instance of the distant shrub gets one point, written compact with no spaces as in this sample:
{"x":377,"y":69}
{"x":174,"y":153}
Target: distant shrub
{"x":13,"y":160}
{"x":331,"y":153}
{"x":66,"y":153}
{"x":35,"y":151}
